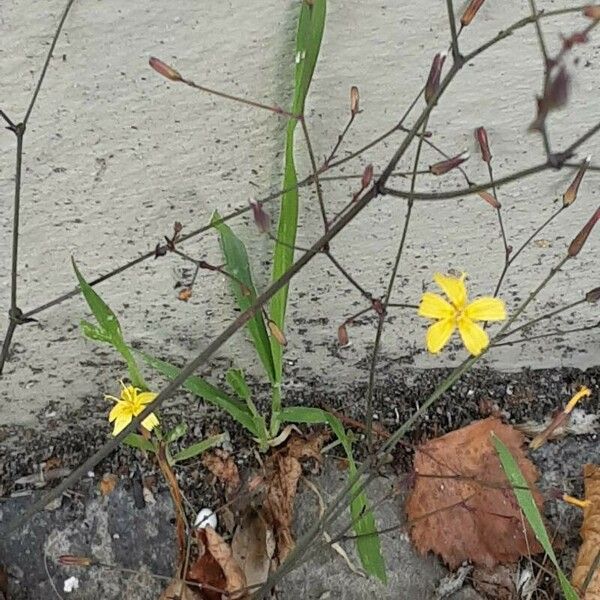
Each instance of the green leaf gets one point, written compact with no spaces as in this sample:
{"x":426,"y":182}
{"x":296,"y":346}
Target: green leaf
{"x":93,"y":332}
{"x":235,"y":378}
{"x":237,"y":264}
{"x":137,"y":441}
{"x":106,"y":318}
{"x":210,"y":393}
{"x":200,"y":447}
{"x":530,"y":510}
{"x":367,"y":541}
{"x":308,"y":42}
{"x":175,"y":433}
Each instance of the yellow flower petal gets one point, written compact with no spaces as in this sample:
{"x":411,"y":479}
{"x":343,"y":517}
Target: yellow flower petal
{"x":120,"y":424}
{"x":486,"y":309}
{"x":120,"y":409}
{"x":434,"y":306}
{"x":473,"y":336}
{"x":150,"y":422}
{"x":438,"y":335}
{"x":454,"y":288}
{"x":146,"y":397}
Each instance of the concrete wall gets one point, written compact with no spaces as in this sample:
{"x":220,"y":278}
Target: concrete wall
{"x":115,"y":154}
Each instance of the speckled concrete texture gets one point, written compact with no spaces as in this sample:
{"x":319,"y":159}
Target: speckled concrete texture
{"x":115,"y":154}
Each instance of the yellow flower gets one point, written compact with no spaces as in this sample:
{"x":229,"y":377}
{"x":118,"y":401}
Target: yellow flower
{"x":459,"y":312}
{"x":131,"y":403}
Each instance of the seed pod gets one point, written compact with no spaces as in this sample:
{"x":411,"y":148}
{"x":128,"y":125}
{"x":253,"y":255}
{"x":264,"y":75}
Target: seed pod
{"x":592,"y":11}
{"x":276,"y":333}
{"x":470,"y":12}
{"x":367,"y":176}
{"x":490,"y":199}
{"x":354,"y":100}
{"x":165,"y":70}
{"x":580,"y":239}
{"x":447,"y":165}
{"x":261,"y":217}
{"x":433,"y":80}
{"x":70,"y":560}
{"x":342,"y":334}
{"x":571,"y":194}
{"x":593,"y":295}
{"x":484,"y":146}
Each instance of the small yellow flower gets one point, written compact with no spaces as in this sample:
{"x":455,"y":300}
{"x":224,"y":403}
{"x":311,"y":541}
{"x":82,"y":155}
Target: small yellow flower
{"x":131,"y":403}
{"x":459,"y":312}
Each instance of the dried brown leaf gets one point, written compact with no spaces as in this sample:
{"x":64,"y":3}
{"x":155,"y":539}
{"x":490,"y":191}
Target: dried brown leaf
{"x":590,"y":533}
{"x":223,"y":467}
{"x":108,"y":483}
{"x":178,"y":590}
{"x":497,"y":583}
{"x":253,"y":546}
{"x":461,"y":506}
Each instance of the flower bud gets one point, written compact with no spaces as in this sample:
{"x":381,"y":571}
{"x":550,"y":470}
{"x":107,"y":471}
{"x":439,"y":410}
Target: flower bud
{"x":261,"y":217}
{"x":470,"y":12}
{"x":165,"y":70}
{"x":593,"y":295}
{"x":433,"y":80}
{"x":592,"y":11}
{"x":367,"y":176}
{"x":342,"y":334}
{"x":558,"y":90}
{"x":447,"y":165}
{"x":484,"y":146}
{"x":490,"y":199}
{"x":354,"y":100}
{"x":571,"y":194}
{"x":276,"y":333}
{"x":580,"y":239}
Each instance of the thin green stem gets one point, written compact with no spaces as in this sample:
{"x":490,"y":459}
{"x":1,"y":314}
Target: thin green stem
{"x":547,"y":335}
{"x":452,"y":22}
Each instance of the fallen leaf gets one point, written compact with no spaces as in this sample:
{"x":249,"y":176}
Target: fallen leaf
{"x":223,"y":467}
{"x":217,"y":569}
{"x":590,"y":533}
{"x":282,"y":472}
{"x":253,"y":546}
{"x":461,"y":506}
{"x":178,"y":590}
{"x":108,"y":483}
{"x":497,"y":583}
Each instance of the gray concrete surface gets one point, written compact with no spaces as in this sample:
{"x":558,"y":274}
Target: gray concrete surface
{"x":115,"y":154}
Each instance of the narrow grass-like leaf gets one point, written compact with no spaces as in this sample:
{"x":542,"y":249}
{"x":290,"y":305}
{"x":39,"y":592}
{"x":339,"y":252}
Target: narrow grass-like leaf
{"x":308,"y":42}
{"x":200,"y":447}
{"x":141,"y":443}
{"x":238,"y":265}
{"x":208,"y":392}
{"x":235,"y":378}
{"x":109,"y":329}
{"x":178,"y":431}
{"x":530,"y":510}
{"x":367,"y":541}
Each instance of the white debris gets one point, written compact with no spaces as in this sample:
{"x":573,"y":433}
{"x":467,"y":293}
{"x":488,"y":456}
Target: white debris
{"x":205,"y":517}
{"x":71,"y":584}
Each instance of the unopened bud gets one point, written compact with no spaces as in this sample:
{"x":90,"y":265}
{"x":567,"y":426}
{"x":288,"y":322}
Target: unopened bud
{"x":592,"y":11}
{"x":165,"y":70}
{"x":261,"y":217}
{"x":593,"y":295}
{"x":580,"y":239}
{"x":447,"y":165}
{"x":579,"y":37}
{"x":558,"y":90}
{"x":276,"y":332}
{"x":367,"y":176}
{"x":69,"y":560}
{"x":484,"y":146}
{"x":490,"y":199}
{"x":378,"y":306}
{"x":354,"y":100}
{"x":470,"y":12}
{"x":342,"y":334}
{"x":433,"y":80}
{"x":571,"y":194}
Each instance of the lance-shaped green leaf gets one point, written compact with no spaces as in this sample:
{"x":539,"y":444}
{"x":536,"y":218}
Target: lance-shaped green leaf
{"x":200,"y":447}
{"x":363,"y":520}
{"x":308,"y":42}
{"x":238,"y":266}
